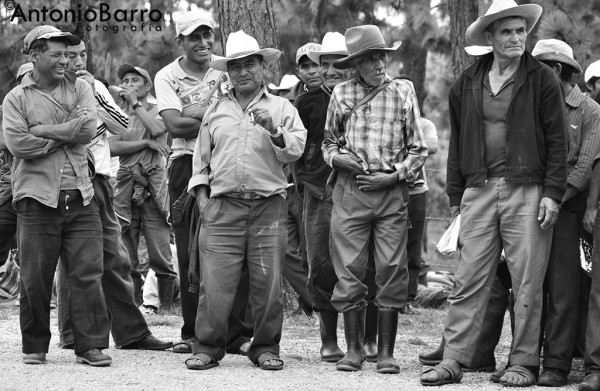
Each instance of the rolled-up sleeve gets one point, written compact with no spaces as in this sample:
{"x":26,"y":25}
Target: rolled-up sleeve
{"x":415,"y":143}
{"x":330,"y":146}
{"x":202,"y":156}
{"x":294,"y":135}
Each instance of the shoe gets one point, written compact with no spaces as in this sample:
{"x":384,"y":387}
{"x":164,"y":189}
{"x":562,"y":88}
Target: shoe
{"x":354,"y":328}
{"x":387,"y":320}
{"x":590,"y":383}
{"x":148,"y":309}
{"x":245,"y":348}
{"x":330,"y":351}
{"x":408,"y":309}
{"x":149,"y":342}
{"x":447,"y":372}
{"x":552,"y":377}
{"x":370,"y":344}
{"x":435,"y":357}
{"x":34,"y":358}
{"x":94,"y":357}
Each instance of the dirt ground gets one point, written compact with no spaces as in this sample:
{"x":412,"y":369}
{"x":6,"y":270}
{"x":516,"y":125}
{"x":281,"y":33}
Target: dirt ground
{"x":146,"y":370}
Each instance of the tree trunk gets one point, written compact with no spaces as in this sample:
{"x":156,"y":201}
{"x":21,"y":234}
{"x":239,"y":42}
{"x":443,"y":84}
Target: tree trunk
{"x":255,"y":18}
{"x":415,"y":62}
{"x":462,"y":14}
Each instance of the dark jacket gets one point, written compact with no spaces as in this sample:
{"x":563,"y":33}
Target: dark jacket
{"x":536,"y":144}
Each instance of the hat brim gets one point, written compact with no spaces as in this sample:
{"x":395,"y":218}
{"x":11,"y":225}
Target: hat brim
{"x":127,"y":68}
{"x":559,"y":57}
{"x":71,"y":39}
{"x":269,"y":55}
{"x":530,"y":12}
{"x":315,"y":55}
{"x":188,"y":30}
{"x":344,"y":63}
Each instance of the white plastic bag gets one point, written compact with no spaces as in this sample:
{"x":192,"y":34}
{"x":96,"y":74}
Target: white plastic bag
{"x":448,"y":243}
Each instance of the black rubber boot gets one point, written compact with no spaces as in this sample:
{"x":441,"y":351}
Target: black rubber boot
{"x":330,"y":351}
{"x":435,"y":357}
{"x":354,"y":329}
{"x":387,"y":325}
{"x":370,"y":345}
{"x":166,"y":289}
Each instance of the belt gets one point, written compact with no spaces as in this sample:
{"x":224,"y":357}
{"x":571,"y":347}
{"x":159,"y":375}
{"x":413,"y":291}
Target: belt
{"x":243,"y":195}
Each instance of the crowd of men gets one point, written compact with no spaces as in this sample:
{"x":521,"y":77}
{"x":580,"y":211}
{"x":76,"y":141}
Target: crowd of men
{"x":322,"y":183}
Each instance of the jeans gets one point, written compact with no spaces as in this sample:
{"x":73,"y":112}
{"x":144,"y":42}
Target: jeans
{"x":74,"y":232}
{"x":417,"y":210}
{"x":8,"y":229}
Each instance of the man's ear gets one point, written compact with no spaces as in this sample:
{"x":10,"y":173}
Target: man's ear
{"x":589,"y":86}
{"x":557,"y":68}
{"x":488,"y":37}
{"x":179,"y":41}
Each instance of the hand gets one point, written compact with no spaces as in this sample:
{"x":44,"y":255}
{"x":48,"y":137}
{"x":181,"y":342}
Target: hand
{"x":194,"y":111}
{"x":589,"y":218}
{"x":201,"y":202}
{"x":263,"y":118}
{"x":376,"y":180}
{"x":349,"y":163}
{"x":85,"y":75}
{"x":80,"y":112}
{"x":454,"y":211}
{"x":158,"y":146}
{"x":129,"y":93}
{"x":548,"y":212}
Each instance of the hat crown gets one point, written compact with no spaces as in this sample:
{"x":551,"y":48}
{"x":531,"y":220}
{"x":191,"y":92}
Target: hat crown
{"x":364,"y":37}
{"x":593,"y":70}
{"x":500,"y":5}
{"x":240,"y":43}
{"x":304,"y":49}
{"x":190,"y":21}
{"x":554,"y":46}
{"x":333,"y":42}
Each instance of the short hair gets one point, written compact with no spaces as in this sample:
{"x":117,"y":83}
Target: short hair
{"x":490,"y":29}
{"x":566,"y":71}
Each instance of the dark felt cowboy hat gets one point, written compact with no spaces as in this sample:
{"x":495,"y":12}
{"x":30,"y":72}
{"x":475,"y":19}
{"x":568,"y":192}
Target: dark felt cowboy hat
{"x":361,"y":40}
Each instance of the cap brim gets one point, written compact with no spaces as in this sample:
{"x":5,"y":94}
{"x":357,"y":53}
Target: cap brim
{"x":559,"y":57}
{"x":269,"y":55}
{"x":188,"y":30}
{"x":344,"y":63}
{"x":315,"y":56}
{"x":71,"y":39}
{"x":530,"y":12}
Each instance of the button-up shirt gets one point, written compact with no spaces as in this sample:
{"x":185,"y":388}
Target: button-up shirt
{"x":583,"y":117}
{"x":385,"y":133}
{"x":33,"y":115}
{"x":233,"y":154}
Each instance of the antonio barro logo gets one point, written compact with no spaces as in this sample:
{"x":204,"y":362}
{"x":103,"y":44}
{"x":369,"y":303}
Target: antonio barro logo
{"x":100,"y":18}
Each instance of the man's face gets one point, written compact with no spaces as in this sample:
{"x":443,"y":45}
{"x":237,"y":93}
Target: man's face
{"x":332,"y":76}
{"x":247,"y":73}
{"x":137,"y":81}
{"x":198,"y":45}
{"x":77,"y":57}
{"x":52,"y":63}
{"x":309,"y":73}
{"x":371,"y":67}
{"x":507,"y":38}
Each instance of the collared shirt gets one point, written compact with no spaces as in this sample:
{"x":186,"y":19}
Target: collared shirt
{"x":583,"y":117}
{"x":385,"y":133}
{"x":178,"y":90}
{"x":419,"y":185}
{"x":6,"y":159}
{"x":31,"y":115}
{"x":232,"y":154}
{"x":137,"y":131}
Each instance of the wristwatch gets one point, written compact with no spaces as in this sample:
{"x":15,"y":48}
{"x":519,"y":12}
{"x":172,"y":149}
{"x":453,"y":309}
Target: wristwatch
{"x":279,"y":132}
{"x":136,"y":105}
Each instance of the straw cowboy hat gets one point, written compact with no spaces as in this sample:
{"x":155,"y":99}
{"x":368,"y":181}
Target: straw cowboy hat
{"x":361,"y":40}
{"x":333,"y":43}
{"x":555,"y":50}
{"x":498,"y":10}
{"x":240,"y":45}
{"x":475,"y":50}
{"x":593,"y":70}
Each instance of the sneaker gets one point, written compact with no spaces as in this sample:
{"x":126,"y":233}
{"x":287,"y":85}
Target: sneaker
{"x":34,"y":358}
{"x":94,"y":357}
{"x":149,"y":342}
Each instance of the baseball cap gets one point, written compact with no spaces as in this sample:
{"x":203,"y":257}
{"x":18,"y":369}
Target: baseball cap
{"x":304,"y":49}
{"x":125,"y":68}
{"x":47,"y":32}
{"x":190,"y":21}
{"x":593,"y":70}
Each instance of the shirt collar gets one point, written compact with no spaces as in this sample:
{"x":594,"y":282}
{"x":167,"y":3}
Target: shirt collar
{"x":263,"y":92}
{"x":181,"y":74}
{"x":27,"y":80}
{"x":575,"y":97}
{"x":358,"y":80}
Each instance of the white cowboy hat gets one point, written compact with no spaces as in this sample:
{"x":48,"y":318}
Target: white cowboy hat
{"x":593,"y":70}
{"x":333,"y":43}
{"x":498,"y":10}
{"x":287,"y":83}
{"x":240,"y":45}
{"x":476,"y":50}
{"x":555,"y":50}
{"x":361,"y":40}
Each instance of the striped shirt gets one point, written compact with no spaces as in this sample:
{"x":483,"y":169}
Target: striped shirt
{"x":385,"y":133}
{"x":583,"y":117}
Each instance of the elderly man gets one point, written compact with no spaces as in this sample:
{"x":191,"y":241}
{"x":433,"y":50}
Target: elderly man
{"x":506,"y":175}
{"x":563,"y":279}
{"x":245,"y":139}
{"x":48,"y":120}
{"x":374,"y":142}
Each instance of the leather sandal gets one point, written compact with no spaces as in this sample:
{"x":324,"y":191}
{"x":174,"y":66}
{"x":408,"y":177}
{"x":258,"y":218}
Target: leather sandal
{"x":184,"y":346}
{"x":270,"y":362}
{"x":200,"y":361}
{"x":446,"y":374}
{"x":523,"y":373}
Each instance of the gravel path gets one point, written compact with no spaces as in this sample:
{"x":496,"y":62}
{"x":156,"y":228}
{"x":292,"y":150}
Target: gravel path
{"x":146,"y":370}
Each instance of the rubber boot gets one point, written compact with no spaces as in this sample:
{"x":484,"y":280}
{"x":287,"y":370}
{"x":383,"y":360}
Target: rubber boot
{"x":435,"y":357}
{"x":370,"y":346}
{"x":165,"y":294}
{"x":387,"y":325}
{"x":354,"y":329}
{"x":137,"y":291}
{"x":330,"y":351}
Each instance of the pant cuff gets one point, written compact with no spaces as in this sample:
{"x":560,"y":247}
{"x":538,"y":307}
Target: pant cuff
{"x":130,"y":340}
{"x":461,"y":357}
{"x":254,"y":354}
{"x":557,"y":364}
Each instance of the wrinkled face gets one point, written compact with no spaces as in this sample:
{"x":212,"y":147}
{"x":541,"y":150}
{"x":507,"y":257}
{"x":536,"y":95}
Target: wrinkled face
{"x":309,"y":73}
{"x":371,"y":67}
{"x":137,"y":81}
{"x":247,"y":73}
{"x":52,"y":63}
{"x":198,"y":45}
{"x":507,"y":37}
{"x":77,"y":57}
{"x":331,"y":75}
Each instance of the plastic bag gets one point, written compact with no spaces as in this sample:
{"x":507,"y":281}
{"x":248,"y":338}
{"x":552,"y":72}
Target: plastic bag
{"x":448,"y":243}
{"x":585,"y":254}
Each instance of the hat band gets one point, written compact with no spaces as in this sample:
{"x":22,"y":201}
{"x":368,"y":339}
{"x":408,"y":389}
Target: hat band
{"x":380,"y":46}
{"x":242,"y":54}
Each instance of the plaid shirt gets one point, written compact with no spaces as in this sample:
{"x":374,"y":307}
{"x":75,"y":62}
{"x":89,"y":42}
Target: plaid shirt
{"x":385,"y":133}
